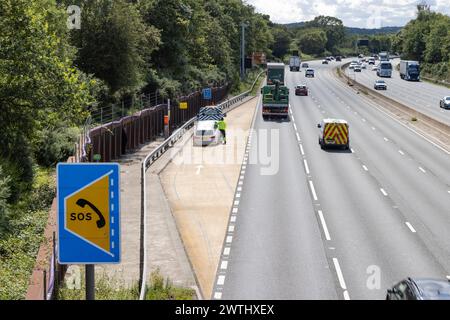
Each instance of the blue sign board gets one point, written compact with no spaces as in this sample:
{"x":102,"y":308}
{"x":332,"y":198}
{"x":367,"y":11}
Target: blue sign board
{"x":207,"y":94}
{"x":88,"y":196}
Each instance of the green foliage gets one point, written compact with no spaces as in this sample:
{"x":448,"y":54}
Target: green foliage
{"x":160,"y":289}
{"x":282,"y":42}
{"x":333,"y":28}
{"x":312,"y":41}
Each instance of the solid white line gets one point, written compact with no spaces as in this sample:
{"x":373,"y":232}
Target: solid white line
{"x":298,"y":137}
{"x":295,"y":127}
{"x":401,"y":152}
{"x":224,"y":265}
{"x":217,"y":295}
{"x":383,"y":192}
{"x":233,"y":219}
{"x":311,"y":185}
{"x":306,"y":166}
{"x":229,"y":239}
{"x":221,"y":280}
{"x":231,"y":229}
{"x":346,"y":295}
{"x":422,"y":169}
{"x":339,"y":273}
{"x":324,"y":225}
{"x":235,"y":210}
{"x":301,"y":150}
{"x":410,"y":227}
{"x":226,"y":251}
{"x":365,"y":168}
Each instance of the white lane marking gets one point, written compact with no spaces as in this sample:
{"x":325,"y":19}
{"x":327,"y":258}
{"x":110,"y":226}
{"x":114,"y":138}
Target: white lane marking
{"x":365,"y":168}
{"x":448,"y":191}
{"x":112,"y":220}
{"x":324,"y":225}
{"x":112,"y":206}
{"x":226,"y":251}
{"x":306,"y":166}
{"x":239,"y":189}
{"x":346,"y":295}
{"x":301,"y":150}
{"x":422,"y":169}
{"x":339,"y":273}
{"x":240,"y":183}
{"x":235,"y":210}
{"x":311,"y":185}
{"x":112,"y":194}
{"x":112,"y":182}
{"x":236,"y":203}
{"x":229,"y":239}
{"x":373,"y":128}
{"x":244,"y":167}
{"x":112,"y":232}
{"x":224,"y":265}
{"x":233,"y":219}
{"x":410,"y":227}
{"x":112,"y":244}
{"x":231,"y":229}
{"x":241,"y":178}
{"x":295,"y":127}
{"x":383,"y":192}
{"x":238,"y":195}
{"x":221,"y":280}
{"x":401,"y":152}
{"x":217,"y":295}
{"x":386,"y":139}
{"x":353,"y":151}
{"x":298,"y":136}
{"x":364,"y":120}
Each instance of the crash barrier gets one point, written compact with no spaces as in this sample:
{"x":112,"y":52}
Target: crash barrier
{"x":109,"y":141}
{"x":225,"y":106}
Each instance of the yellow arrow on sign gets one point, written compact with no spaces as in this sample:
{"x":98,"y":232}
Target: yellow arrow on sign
{"x":88,"y":213}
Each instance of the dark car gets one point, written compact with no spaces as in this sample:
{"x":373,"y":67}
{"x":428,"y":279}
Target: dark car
{"x":301,"y":90}
{"x":324,"y":61}
{"x":420,"y":289}
{"x":305,"y":65}
{"x":338,"y":58}
{"x":445,"y":102}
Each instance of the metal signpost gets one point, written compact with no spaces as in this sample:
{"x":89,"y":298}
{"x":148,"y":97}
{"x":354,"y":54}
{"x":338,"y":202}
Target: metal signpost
{"x":88,"y":196}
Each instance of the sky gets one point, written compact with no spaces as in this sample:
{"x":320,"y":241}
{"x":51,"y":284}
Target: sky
{"x":353,"y":13}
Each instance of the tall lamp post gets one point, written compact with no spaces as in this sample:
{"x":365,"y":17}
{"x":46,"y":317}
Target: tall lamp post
{"x":243,"y":26}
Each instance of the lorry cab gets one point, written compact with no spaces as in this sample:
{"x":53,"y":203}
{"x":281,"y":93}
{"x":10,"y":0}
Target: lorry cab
{"x":334,"y":132}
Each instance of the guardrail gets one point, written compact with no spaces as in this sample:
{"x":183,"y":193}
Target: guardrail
{"x":227,"y":105}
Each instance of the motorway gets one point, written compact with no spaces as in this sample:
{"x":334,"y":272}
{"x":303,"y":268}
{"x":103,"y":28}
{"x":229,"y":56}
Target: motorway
{"x":330,"y":224}
{"x":422,"y":96}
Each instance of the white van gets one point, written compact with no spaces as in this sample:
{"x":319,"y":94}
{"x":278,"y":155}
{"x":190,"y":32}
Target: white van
{"x":206,"y":132}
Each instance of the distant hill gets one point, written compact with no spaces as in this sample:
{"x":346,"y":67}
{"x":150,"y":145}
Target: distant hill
{"x":352,"y":30}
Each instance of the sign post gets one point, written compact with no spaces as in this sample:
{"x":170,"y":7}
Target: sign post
{"x":88,"y":197}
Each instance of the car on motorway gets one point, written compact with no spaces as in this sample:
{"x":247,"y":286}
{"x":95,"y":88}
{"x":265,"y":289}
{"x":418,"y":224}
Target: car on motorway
{"x":420,"y":289}
{"x":363,"y":65}
{"x":352,"y":65}
{"x":301,"y":90}
{"x":328,"y":58}
{"x":380,"y":85}
{"x":324,"y":61}
{"x":309,"y":73}
{"x":206,"y":132}
{"x":445,"y":102}
{"x":305,"y":65}
{"x":357,"y":68}
{"x":333,"y":132}
{"x":371,"y":60}
{"x":338,"y":58}
{"x":374,"y":68}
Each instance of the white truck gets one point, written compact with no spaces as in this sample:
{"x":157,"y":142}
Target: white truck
{"x":294,"y":63}
{"x":409,"y":70}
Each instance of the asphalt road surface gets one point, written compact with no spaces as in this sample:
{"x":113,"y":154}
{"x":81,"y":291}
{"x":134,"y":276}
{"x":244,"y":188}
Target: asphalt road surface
{"x":332,"y":224}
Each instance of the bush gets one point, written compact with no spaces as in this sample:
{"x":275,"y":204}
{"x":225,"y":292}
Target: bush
{"x":4,"y":195}
{"x":55,"y":145}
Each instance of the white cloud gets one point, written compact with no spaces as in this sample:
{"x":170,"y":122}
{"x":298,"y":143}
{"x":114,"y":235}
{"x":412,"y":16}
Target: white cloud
{"x":354,"y":13}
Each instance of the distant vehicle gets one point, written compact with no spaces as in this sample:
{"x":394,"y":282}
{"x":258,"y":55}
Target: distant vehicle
{"x":371,"y":61}
{"x":380,"y":84}
{"x":384,"y":56}
{"x":343,"y":56}
{"x":409,"y":70}
{"x":445,"y":102}
{"x":301,"y":90}
{"x":334,"y":132}
{"x":206,"y":132}
{"x":363,"y":59}
{"x":338,"y":58}
{"x":275,"y":71}
{"x":324,"y":61}
{"x":357,"y":68}
{"x":363,"y":66}
{"x":332,"y":58}
{"x":352,"y":65}
{"x":384,"y":69}
{"x":360,"y":56}
{"x":309,"y":73}
{"x":420,"y":289}
{"x":328,"y":58}
{"x":305,"y":65}
{"x":294,"y":63}
{"x":374,"y":68}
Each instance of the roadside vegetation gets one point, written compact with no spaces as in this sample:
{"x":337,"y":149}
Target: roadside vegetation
{"x":108,"y":288}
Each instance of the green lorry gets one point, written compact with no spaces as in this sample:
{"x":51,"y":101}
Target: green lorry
{"x":275,"y":95}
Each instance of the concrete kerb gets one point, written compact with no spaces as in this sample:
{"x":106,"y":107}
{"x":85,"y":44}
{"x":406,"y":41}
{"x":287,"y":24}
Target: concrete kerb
{"x":428,"y":121}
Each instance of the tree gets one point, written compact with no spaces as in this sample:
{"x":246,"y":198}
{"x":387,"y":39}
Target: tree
{"x":333,"y":27}
{"x":312,"y":41}
{"x":282,"y":41}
